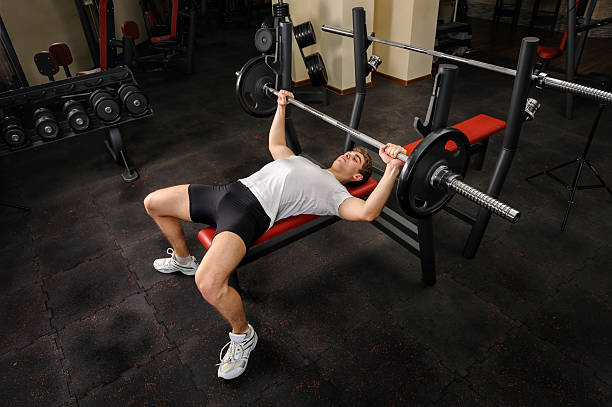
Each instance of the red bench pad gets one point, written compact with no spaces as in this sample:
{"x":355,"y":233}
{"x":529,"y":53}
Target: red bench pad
{"x":283,"y":225}
{"x":162,"y":38}
{"x":88,"y":72}
{"x":476,"y":129}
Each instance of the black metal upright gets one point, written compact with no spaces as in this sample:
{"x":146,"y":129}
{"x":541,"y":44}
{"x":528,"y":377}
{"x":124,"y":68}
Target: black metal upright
{"x":515,"y":119}
{"x":94,"y":49}
{"x":285,"y":39}
{"x":359,"y":50}
{"x":447,"y":75}
{"x":570,"y":68}
{"x":5,"y":42}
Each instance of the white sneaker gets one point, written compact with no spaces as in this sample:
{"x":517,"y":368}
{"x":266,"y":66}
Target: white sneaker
{"x":170,"y":264}
{"x":235,"y":360}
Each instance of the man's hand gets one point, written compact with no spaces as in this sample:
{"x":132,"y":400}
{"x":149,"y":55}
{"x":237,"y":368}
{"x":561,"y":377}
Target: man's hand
{"x":282,"y":97}
{"x":389,"y":151}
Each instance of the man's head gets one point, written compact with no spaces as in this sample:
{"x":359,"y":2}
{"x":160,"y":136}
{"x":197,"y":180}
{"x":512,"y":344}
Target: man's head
{"x":354,"y":167}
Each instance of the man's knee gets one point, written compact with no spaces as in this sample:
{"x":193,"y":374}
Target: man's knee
{"x":148,"y":203}
{"x":210,"y":286}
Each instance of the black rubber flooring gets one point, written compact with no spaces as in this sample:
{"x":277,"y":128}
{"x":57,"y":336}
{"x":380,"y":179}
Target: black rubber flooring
{"x":342,"y":315}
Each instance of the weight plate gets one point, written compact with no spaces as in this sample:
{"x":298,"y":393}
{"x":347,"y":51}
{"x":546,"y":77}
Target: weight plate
{"x":415,"y":194}
{"x":264,"y":40}
{"x":304,"y":34}
{"x":47,"y":128}
{"x":249,"y":88}
{"x":126,"y":87}
{"x":316,"y":69}
{"x":78,"y":120}
{"x":14,"y":136}
{"x":136,"y":102}
{"x":106,"y":109}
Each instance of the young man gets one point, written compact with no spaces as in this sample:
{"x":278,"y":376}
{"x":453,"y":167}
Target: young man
{"x":244,"y":210}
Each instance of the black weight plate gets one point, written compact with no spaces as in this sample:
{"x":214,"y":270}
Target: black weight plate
{"x":249,"y":88}
{"x":14,"y":136}
{"x":47,"y":128}
{"x":264,"y":40}
{"x":95,"y":95}
{"x":304,"y":34}
{"x":78,"y":120}
{"x":126,"y":87}
{"x":415,"y":194}
{"x":136,"y":102}
{"x":106,"y":109}
{"x":316,"y":69}
{"x":69,"y":105}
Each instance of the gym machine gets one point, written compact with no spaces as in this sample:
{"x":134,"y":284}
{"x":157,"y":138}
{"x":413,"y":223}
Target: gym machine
{"x":59,"y":110}
{"x":524,"y":76}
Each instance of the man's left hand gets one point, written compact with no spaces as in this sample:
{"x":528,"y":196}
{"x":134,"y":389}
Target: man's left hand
{"x":389,"y":151}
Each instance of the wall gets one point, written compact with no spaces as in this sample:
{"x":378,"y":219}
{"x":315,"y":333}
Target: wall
{"x":33,"y":25}
{"x":407,"y":21}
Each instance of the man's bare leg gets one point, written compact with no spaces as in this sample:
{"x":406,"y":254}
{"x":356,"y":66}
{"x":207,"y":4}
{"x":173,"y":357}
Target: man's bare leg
{"x":168,"y":207}
{"x":225,"y":253}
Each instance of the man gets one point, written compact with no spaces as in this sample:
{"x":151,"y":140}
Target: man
{"x":244,"y":210}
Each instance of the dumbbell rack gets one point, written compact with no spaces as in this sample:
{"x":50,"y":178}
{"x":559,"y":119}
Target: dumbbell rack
{"x":22,"y":102}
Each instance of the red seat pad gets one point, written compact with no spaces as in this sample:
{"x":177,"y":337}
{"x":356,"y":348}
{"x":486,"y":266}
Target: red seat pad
{"x":157,"y":40}
{"x":88,"y":72}
{"x":130,"y":29}
{"x":283,"y":225}
{"x":61,"y":53}
{"x":545,"y":52}
{"x":476,"y":128}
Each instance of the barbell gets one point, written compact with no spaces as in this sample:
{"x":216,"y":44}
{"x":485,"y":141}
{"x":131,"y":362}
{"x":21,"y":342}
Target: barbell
{"x":432,"y":173}
{"x":541,"y":78}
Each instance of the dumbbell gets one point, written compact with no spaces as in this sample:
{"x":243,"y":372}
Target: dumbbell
{"x":12,"y":131}
{"x":45,"y":124}
{"x":76,"y":115}
{"x":106,"y":108}
{"x":133,"y":99}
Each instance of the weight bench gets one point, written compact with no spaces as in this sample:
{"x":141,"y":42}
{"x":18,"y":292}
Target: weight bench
{"x":477,"y":129}
{"x":285,"y":231}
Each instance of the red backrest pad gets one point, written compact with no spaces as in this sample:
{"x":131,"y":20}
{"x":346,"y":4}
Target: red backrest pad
{"x":130,"y":29}
{"x":61,"y":53}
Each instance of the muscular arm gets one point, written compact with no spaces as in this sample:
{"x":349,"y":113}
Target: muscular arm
{"x":368,"y":210}
{"x":277,"y":144}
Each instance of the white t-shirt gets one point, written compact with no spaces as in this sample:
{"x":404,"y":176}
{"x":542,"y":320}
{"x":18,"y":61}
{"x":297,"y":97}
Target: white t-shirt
{"x":294,"y":186}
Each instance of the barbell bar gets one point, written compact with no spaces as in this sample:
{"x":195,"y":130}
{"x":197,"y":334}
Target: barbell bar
{"x":541,"y":78}
{"x":440,"y":178}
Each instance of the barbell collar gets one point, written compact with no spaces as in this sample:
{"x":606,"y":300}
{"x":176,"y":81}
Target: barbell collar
{"x":541,"y":79}
{"x":364,"y":138}
{"x":444,"y":178}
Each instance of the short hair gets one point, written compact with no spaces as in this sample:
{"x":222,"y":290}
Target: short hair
{"x":366,"y":167}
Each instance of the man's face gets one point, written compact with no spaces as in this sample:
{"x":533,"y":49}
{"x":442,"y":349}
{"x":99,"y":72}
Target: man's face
{"x":349,"y":164}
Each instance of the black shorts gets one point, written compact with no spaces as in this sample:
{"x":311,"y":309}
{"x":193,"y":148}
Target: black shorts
{"x":231,"y":207}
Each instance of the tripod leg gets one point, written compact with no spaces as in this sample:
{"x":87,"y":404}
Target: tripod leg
{"x":603,"y":184}
{"x":570,"y":201}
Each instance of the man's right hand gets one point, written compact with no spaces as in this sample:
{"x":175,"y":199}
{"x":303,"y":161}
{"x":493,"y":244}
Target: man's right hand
{"x":282,"y":97}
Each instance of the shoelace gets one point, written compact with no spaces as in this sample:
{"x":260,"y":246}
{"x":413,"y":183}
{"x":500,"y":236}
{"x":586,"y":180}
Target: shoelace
{"x":234,"y":348}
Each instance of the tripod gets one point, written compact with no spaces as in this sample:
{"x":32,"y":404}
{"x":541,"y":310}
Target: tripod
{"x":581,"y":161}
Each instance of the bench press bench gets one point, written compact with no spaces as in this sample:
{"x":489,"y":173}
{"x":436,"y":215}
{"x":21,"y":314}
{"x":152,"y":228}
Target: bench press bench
{"x":477,"y":129}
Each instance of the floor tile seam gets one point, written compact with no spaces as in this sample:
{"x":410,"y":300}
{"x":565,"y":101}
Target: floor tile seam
{"x":84,"y":261}
{"x":59,"y":347}
{"x":133,"y":275}
{"x":97,"y":310}
{"x":142,"y":239}
{"x":192,"y":374}
{"x":121,"y":375}
{"x":162,"y":323}
{"x":562,"y":351}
